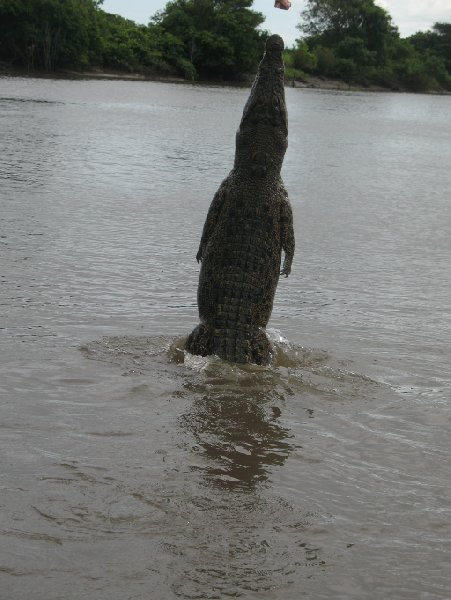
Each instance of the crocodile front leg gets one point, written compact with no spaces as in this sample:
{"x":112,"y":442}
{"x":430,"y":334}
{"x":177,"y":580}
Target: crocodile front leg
{"x":287,"y":233}
{"x":212,"y":218}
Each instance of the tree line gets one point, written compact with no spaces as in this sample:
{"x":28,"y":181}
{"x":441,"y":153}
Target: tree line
{"x":356,"y":41}
{"x":206,"y":39}
{"x":353,"y":40}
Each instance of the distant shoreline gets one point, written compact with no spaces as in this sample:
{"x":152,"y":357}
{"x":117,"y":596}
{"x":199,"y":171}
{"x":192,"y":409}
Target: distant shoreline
{"x":6,"y":71}
{"x":323,"y":83}
{"x":320,"y":83}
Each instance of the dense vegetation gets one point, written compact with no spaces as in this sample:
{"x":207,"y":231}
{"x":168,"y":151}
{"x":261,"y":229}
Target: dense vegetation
{"x":216,"y":39}
{"x":356,"y":41}
{"x":353,"y":40}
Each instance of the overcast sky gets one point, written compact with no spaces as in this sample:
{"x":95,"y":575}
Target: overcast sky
{"x":409,"y":15}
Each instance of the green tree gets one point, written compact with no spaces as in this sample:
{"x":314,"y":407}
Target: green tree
{"x":443,"y":31}
{"x":327,"y":23}
{"x":353,"y":48}
{"x":357,"y":41}
{"x":325,"y":60}
{"x":435,"y":49}
{"x":303,"y":58}
{"x":438,"y":40}
{"x":220,"y":37}
{"x":47,"y":34}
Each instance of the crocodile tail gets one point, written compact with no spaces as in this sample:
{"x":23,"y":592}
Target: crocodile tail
{"x":238,"y":346}
{"x":234,"y":345}
{"x":200,"y":341}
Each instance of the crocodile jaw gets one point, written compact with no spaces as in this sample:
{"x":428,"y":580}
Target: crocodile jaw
{"x":262,"y":137}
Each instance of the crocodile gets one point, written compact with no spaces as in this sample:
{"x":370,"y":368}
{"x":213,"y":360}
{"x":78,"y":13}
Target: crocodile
{"x":248,"y":224}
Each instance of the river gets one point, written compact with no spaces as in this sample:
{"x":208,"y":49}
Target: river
{"x":130,"y":470}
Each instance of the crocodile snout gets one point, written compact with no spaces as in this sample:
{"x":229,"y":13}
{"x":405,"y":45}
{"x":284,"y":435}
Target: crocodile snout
{"x":274,"y":43}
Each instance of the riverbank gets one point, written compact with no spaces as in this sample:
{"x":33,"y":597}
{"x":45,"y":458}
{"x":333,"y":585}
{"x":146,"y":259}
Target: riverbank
{"x":8,"y":71}
{"x":310,"y":82}
{"x":322,"y":83}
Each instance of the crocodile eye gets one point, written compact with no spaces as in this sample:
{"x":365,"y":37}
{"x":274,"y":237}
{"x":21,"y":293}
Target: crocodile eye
{"x":259,"y":163}
{"x":258,"y":171}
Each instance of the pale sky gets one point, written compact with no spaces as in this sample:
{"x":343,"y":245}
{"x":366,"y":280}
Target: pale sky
{"x":409,"y":15}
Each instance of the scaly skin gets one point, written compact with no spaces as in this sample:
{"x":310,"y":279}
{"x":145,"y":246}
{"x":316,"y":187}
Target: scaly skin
{"x":248,"y":225}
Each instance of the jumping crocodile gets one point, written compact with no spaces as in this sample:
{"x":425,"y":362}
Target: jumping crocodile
{"x":248,"y":225}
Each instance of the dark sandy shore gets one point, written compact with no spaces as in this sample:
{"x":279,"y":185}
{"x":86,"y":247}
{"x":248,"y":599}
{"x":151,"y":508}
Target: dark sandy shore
{"x":308,"y":83}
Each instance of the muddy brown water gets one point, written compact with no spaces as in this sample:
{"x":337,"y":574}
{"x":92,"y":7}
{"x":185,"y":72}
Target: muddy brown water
{"x":130,"y":470}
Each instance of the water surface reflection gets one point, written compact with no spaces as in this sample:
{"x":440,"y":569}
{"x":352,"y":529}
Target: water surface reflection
{"x":239,"y":432}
